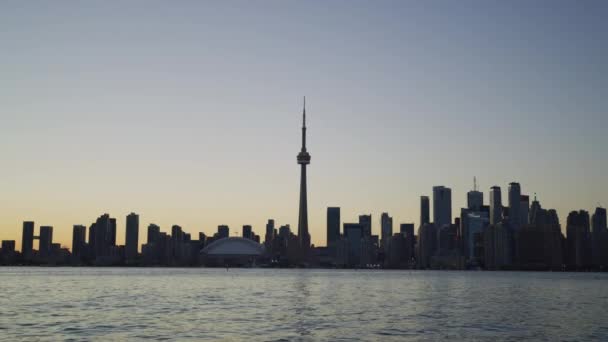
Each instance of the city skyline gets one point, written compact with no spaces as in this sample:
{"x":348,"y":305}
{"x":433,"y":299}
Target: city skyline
{"x":97,"y":118}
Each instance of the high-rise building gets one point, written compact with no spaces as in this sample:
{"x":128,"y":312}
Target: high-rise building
{"x":425,"y":216}
{"x":514,"y":206}
{"x":132,"y":237}
{"x":427,"y":244}
{"x":474,"y":198}
{"x":386,"y":229}
{"x":105,"y":235}
{"x":495,"y":205}
{"x":248,"y":232}
{"x":303,"y":161}
{"x":599,"y":234}
{"x":333,"y":225}
{"x":442,"y":206}
{"x":27,"y":239}
{"x":525,"y":210}
{"x":78,"y":240}
{"x":366,"y":223}
{"x":578,"y":246}
{"x":407,"y":230}
{"x":45,"y":240}
{"x":353,"y":233}
{"x":223,"y":231}
{"x":153,"y":233}
{"x":270,"y":235}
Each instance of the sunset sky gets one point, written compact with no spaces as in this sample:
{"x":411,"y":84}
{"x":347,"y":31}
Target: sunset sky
{"x":189,"y":112}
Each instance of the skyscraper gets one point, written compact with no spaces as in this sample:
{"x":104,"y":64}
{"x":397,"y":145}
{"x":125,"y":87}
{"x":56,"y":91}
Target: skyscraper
{"x":525,"y":210}
{"x":248,"y":232}
{"x":132,"y":236}
{"x":366,"y":223}
{"x":495,"y":205}
{"x":474,"y":198}
{"x":153,"y":233}
{"x":78,"y":240}
{"x":425,"y":216}
{"x":223,"y":231}
{"x":333,"y":225}
{"x":27,"y":239}
{"x":386,"y":229}
{"x":303,"y":160}
{"x":514,"y":206}
{"x":442,"y":206}
{"x":269,"y":234}
{"x":45,"y":240}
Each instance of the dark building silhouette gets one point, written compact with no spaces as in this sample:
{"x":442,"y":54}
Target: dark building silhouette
{"x":303,"y":161}
{"x":386,"y":230}
{"x":333,"y":225}
{"x":132,"y":237}
{"x":247,"y":232}
{"x":104,"y":232}
{"x":366,"y":223}
{"x":407,"y":231}
{"x":515,"y":206}
{"x":46,"y":241}
{"x":427,"y":244}
{"x":599,"y":239}
{"x":425,"y":216}
{"x":27,"y":240}
{"x":79,"y":244}
{"x":223,"y":231}
{"x":270,"y":234}
{"x":578,"y":242}
{"x":442,"y":206}
{"x":495,"y":205}
{"x":353,"y":232}
{"x":153,"y":233}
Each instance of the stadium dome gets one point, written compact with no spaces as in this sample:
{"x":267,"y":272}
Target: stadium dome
{"x":235,"y":251}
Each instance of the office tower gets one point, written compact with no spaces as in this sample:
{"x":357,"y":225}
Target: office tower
{"x":223,"y":231}
{"x":112,"y":233}
{"x":153,"y":233}
{"x":386,"y":229}
{"x":442,"y":206}
{"x":366,"y":224}
{"x":269,"y":234}
{"x":132,"y":237}
{"x":8,"y":247}
{"x":105,"y":235}
{"x":303,"y":160}
{"x":177,"y":233}
{"x":427,"y":244}
{"x":514,"y":206}
{"x":578,"y":246}
{"x":247,"y":232}
{"x":425,"y":210}
{"x":474,"y":224}
{"x":525,"y":210}
{"x":495,"y":205}
{"x":45,"y":240}
{"x":27,"y":239}
{"x":78,"y":240}
{"x":599,"y":234}
{"x":407,"y":231}
{"x":333,"y":225}
{"x":474,"y":198}
{"x":353,"y":233}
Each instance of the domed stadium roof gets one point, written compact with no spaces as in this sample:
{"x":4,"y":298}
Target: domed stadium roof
{"x":233,"y":246}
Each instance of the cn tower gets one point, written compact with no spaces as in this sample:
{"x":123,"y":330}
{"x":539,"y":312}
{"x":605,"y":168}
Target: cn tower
{"x":303,"y":160}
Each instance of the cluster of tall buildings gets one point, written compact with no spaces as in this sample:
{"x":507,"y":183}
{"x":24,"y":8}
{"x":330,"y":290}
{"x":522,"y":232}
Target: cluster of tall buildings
{"x":517,"y":235}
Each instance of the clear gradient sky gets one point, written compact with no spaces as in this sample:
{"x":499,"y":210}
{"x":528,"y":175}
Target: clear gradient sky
{"x":189,"y":112}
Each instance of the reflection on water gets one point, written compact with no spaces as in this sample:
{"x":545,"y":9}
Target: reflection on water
{"x":245,"y":304}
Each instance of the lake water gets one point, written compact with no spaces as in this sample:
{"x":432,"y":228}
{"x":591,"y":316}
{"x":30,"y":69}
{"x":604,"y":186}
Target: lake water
{"x":274,"y":304}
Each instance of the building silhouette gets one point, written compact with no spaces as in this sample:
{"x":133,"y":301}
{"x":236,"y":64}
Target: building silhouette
{"x":333,"y":225}
{"x":27,"y":240}
{"x":425,"y":216}
{"x":442,"y":206}
{"x":515,"y":206}
{"x":79,"y":245}
{"x":386,"y":230}
{"x":366,"y":224}
{"x":132,"y":237}
{"x":495,"y":205}
{"x":45,"y":241}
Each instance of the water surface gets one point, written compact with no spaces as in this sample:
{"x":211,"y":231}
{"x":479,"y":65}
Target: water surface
{"x":272,"y":304}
